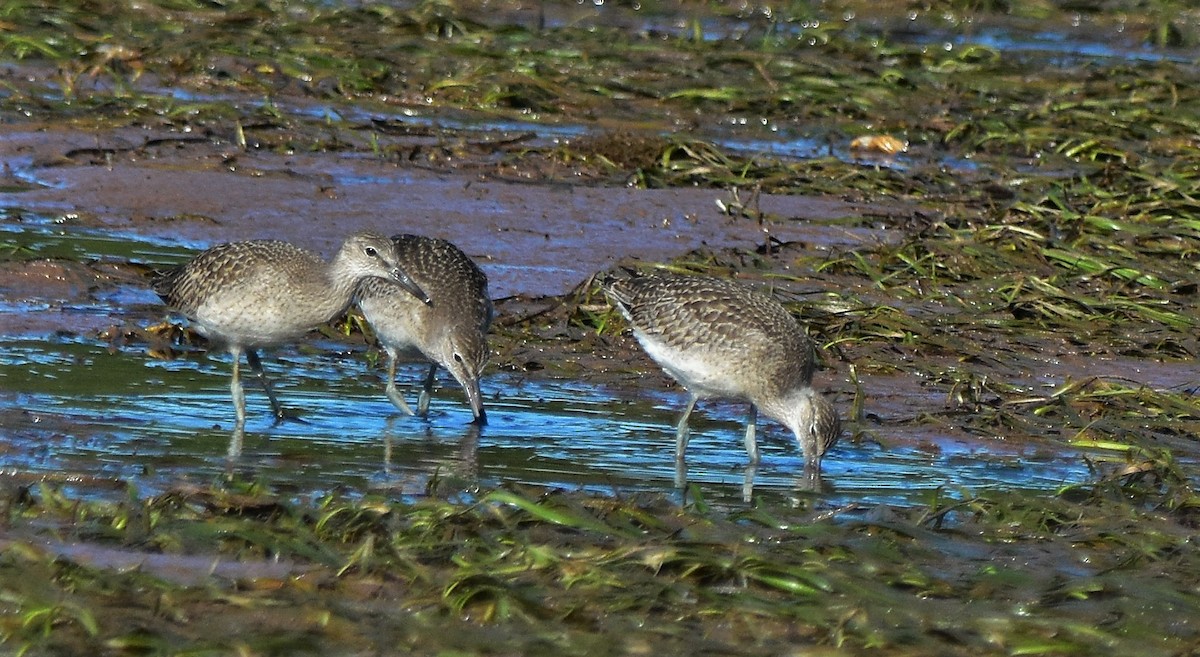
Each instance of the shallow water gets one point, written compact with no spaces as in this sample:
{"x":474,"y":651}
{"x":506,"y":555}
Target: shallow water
{"x":89,"y":415}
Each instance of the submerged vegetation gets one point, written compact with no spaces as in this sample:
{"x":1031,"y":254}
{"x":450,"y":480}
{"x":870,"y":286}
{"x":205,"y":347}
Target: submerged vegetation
{"x":1046,"y":208}
{"x":537,"y":572}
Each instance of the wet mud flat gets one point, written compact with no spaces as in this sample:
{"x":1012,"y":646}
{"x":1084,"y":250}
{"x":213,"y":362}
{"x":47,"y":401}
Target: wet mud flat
{"x":539,"y":242}
{"x":1006,"y":313}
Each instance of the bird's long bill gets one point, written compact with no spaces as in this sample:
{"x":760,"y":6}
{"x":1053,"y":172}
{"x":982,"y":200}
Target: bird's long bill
{"x":406,"y":282}
{"x":475,"y":399}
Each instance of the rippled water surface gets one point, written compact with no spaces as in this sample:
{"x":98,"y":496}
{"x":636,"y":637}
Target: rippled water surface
{"x":81,"y":411}
{"x":97,"y":417}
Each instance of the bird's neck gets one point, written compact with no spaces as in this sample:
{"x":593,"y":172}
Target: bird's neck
{"x":341,"y":277}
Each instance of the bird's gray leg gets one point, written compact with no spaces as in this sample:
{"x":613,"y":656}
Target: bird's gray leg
{"x":426,"y":391}
{"x":680,"y":474}
{"x":751,"y":444}
{"x":748,"y":483}
{"x":387,"y":453}
{"x":256,"y":366}
{"x":235,"y":389}
{"x":235,"y":443}
{"x":392,"y":393}
{"x":239,"y":407}
{"x":681,"y":431}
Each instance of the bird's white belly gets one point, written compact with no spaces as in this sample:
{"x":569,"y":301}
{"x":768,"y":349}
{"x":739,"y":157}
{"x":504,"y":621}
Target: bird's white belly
{"x":397,"y":324}
{"x":257,"y":322}
{"x":703,"y":376}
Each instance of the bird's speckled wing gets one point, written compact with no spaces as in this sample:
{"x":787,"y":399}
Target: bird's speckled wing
{"x":716,"y":319}
{"x":228,"y":267}
{"x":452,"y":280}
{"x":445,"y":268}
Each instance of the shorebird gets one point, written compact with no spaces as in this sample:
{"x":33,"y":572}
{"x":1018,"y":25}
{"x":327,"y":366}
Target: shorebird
{"x":262,"y":293}
{"x":718,"y":338}
{"x":451,"y":331}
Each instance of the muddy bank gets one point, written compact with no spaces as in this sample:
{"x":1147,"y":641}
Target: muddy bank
{"x":533,"y":238}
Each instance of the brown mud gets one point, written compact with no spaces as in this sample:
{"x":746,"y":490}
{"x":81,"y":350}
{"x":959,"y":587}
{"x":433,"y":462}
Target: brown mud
{"x":535,"y":235}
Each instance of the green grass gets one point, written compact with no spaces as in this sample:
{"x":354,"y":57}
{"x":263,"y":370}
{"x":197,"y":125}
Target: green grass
{"x":523,"y":566}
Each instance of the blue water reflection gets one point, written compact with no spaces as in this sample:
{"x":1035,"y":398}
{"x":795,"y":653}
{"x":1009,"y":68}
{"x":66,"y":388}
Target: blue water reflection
{"x":123,"y":417}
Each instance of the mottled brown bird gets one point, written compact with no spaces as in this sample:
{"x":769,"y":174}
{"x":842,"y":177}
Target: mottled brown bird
{"x":722,"y":339}
{"x":450,"y":331}
{"x":250,"y":295}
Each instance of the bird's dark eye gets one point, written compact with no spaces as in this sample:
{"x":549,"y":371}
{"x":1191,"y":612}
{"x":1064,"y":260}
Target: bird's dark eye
{"x":371,"y":251}
{"x":458,"y":358}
